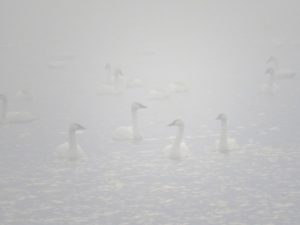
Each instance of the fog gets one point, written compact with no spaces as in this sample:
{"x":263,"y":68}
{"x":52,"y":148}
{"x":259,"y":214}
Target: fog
{"x":209,"y":90}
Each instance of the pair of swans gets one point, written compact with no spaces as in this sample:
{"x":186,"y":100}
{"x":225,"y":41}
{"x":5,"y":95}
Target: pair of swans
{"x":8,"y":117}
{"x":176,"y":151}
{"x":113,"y":84}
{"x":179,"y":150}
{"x":71,"y":150}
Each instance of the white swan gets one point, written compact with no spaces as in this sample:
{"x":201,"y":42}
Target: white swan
{"x":133,"y":83}
{"x":225,"y":144}
{"x":277,"y":72}
{"x":71,"y":150}
{"x":272,"y":84}
{"x":159,"y":94}
{"x":130,"y":132}
{"x":178,"y":87}
{"x":109,"y":74}
{"x":178,"y":150}
{"x":13,"y":117}
{"x":113,"y":88}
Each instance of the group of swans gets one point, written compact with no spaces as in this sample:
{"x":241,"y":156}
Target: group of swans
{"x":178,"y":150}
{"x":9,"y":117}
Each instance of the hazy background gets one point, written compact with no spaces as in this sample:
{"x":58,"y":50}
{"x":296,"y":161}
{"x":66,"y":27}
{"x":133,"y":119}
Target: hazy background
{"x":58,"y":49}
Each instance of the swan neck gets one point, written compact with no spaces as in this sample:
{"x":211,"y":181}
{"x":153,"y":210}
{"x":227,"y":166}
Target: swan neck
{"x":72,"y":140}
{"x":179,"y":137}
{"x":224,"y":135}
{"x":135,"y":125}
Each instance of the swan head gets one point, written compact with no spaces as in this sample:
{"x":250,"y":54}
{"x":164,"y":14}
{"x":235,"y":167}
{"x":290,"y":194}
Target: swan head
{"x":222,"y":117}
{"x":271,"y":59}
{"x":76,"y":127}
{"x":118,"y":73}
{"x":270,"y":71}
{"x":177,"y":122}
{"x":136,"y":105}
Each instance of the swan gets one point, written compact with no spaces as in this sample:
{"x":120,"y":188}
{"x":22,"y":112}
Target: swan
{"x":13,"y":117}
{"x":134,"y":83}
{"x":280,"y":75}
{"x":277,"y":72}
{"x":131,"y":132}
{"x":71,"y":150}
{"x":113,"y":88}
{"x":178,"y":87}
{"x":272,"y":84}
{"x":224,"y":144}
{"x":109,"y":73}
{"x":178,"y":150}
{"x":159,"y":94}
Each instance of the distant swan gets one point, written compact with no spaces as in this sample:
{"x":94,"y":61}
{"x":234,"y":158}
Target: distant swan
{"x":134,"y":83}
{"x":225,"y":144}
{"x":277,"y":72}
{"x":159,"y":94}
{"x":178,"y":87}
{"x":13,"y":117}
{"x":131,"y":132}
{"x":178,"y":150}
{"x":114,"y":85}
{"x":71,"y":150}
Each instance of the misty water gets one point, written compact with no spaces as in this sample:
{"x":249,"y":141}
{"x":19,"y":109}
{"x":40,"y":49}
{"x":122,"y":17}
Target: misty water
{"x":53,"y":64}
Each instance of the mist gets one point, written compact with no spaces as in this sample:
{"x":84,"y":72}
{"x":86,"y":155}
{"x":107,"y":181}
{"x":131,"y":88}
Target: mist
{"x":149,"y":112}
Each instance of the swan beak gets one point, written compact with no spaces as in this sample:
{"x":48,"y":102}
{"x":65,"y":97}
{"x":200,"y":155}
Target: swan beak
{"x":171,"y":124}
{"x":143,"y":106}
{"x":80,"y":127}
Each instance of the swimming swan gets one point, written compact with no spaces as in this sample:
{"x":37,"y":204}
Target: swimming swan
{"x":13,"y":117}
{"x":277,"y":72}
{"x":178,"y":150}
{"x":114,"y":85}
{"x":178,"y":87}
{"x":71,"y":150}
{"x":224,"y":144}
{"x":159,"y":94}
{"x":131,"y":132}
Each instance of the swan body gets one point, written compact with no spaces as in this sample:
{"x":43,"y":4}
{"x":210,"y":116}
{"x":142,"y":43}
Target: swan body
{"x":274,"y":77}
{"x":178,"y":87}
{"x":113,"y":86}
{"x":159,"y":94}
{"x":130,"y":132}
{"x":276,"y":72}
{"x":134,"y":83}
{"x":225,"y":144}
{"x":178,"y":150}
{"x":7,"y":117}
{"x":71,"y":150}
